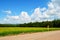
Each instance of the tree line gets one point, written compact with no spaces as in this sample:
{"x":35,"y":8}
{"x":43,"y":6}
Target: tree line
{"x":54,"y":23}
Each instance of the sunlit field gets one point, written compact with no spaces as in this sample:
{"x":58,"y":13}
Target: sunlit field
{"x":4,"y":31}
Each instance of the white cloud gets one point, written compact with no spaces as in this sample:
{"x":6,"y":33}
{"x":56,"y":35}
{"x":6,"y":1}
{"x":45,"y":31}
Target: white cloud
{"x":56,"y":2}
{"x":53,"y":12}
{"x":38,"y":15}
{"x":50,"y":5}
{"x":54,"y":8}
{"x":13,"y":17}
{"x":24,"y":17}
{"x":7,"y":11}
{"x":43,"y":9}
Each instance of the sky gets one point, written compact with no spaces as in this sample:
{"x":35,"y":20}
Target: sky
{"x":25,"y":11}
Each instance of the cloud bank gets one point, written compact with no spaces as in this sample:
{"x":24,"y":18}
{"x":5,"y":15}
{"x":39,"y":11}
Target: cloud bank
{"x":39,"y":14}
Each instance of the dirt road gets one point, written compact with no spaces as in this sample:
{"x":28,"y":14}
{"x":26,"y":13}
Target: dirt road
{"x":52,"y":35}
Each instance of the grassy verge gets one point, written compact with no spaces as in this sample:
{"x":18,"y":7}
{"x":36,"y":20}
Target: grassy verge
{"x":17,"y":30}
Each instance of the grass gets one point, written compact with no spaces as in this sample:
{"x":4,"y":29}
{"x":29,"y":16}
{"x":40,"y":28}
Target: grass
{"x":17,"y":30}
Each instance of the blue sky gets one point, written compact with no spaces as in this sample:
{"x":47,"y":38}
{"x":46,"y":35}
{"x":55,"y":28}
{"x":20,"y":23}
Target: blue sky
{"x":24,"y":11}
{"x":16,"y":6}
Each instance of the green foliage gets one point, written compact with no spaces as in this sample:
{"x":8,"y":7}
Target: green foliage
{"x":17,"y":30}
{"x":54,"y":23}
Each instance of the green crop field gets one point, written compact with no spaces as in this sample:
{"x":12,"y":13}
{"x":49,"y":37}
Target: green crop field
{"x":17,"y":30}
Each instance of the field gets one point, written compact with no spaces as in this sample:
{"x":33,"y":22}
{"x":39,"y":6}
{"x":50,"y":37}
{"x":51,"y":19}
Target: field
{"x":17,"y":30}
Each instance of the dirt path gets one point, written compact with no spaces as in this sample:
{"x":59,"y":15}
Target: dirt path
{"x":52,"y":35}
